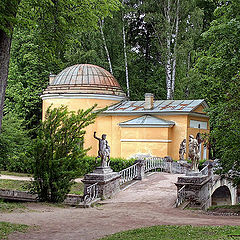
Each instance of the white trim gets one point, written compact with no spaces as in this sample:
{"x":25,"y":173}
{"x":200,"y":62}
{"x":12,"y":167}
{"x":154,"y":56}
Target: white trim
{"x":145,"y":125}
{"x":146,"y":140}
{"x":82,"y":96}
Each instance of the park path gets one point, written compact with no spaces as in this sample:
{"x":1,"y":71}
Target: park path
{"x":20,"y":178}
{"x":147,"y":203}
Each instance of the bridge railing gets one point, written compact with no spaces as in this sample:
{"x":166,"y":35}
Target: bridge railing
{"x":181,"y":194}
{"x":153,"y":164}
{"x":92,"y":193}
{"x":129,"y":174}
{"x":204,"y":171}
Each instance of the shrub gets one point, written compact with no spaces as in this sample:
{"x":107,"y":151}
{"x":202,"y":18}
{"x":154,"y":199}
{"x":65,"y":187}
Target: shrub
{"x":58,"y":151}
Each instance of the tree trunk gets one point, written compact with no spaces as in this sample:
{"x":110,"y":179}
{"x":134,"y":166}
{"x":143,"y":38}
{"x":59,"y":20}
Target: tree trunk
{"x":125,"y":58}
{"x":5,"y":45}
{"x":168,"y":67}
{"x":105,"y":46}
{"x":175,"y":50}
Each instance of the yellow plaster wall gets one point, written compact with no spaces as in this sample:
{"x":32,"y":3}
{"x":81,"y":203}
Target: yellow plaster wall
{"x":153,"y":148}
{"x":177,"y":133}
{"x":76,"y":103}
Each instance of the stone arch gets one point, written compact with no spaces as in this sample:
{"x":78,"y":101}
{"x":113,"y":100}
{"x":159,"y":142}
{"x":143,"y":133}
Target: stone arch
{"x":221,"y":196}
{"x":223,"y":187}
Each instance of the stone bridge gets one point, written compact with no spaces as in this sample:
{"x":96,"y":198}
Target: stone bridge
{"x":202,"y":189}
{"x":206,"y":189}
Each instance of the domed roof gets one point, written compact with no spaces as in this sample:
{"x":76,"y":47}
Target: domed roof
{"x":84,"y":79}
{"x":85,"y":74}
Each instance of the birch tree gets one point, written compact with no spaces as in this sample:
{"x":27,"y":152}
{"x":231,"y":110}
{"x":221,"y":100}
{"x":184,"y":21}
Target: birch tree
{"x":101,"y":21}
{"x":170,"y":21}
{"x":125,"y":52}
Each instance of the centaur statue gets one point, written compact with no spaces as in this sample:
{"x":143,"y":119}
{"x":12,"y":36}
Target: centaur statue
{"x":103,"y":150}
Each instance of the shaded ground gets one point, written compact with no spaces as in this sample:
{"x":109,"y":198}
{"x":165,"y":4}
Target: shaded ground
{"x":147,"y":203}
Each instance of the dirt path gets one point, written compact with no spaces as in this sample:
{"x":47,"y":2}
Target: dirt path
{"x":18,"y":178}
{"x":147,"y":203}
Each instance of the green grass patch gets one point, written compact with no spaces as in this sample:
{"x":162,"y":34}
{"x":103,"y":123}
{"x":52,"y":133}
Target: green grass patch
{"x":16,"y":174}
{"x":237,"y":207}
{"x":6,"y":206}
{"x":7,"y":228}
{"x":77,"y":188}
{"x":13,"y":184}
{"x":178,"y":233}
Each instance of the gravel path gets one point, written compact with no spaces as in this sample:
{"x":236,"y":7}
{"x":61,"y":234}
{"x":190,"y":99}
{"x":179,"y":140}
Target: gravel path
{"x":147,"y":203}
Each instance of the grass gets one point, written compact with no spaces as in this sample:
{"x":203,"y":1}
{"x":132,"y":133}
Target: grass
{"x":7,"y":228}
{"x":77,"y":188}
{"x":6,"y":206}
{"x":15,"y":174}
{"x":178,"y":233}
{"x":13,"y":184}
{"x":237,"y":207}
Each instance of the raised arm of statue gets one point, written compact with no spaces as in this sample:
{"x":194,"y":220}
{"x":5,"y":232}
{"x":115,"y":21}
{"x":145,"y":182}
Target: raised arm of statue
{"x":94,"y":135}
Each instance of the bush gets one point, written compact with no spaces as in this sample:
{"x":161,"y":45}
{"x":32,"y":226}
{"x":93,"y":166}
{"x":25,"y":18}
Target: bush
{"x":14,"y":145}
{"x":58,"y":151}
{"x":88,"y":164}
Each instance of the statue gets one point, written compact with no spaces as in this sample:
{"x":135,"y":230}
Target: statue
{"x":103,"y":150}
{"x":194,"y":153}
{"x":182,"y":150}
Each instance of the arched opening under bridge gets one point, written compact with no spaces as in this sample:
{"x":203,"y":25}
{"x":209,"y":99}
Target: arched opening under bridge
{"x":221,"y":196}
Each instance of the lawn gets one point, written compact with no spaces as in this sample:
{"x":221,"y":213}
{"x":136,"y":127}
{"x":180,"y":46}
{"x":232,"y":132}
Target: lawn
{"x":13,"y":184}
{"x":77,"y":188}
{"x":7,"y":228}
{"x":178,"y":233}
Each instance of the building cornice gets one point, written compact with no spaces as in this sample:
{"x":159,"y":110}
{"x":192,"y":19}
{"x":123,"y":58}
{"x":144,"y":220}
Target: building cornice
{"x":82,"y":96}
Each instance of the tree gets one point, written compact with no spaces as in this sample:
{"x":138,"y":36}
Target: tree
{"x":52,"y":19}
{"x":58,"y":151}
{"x":215,"y":77}
{"x":8,"y":12}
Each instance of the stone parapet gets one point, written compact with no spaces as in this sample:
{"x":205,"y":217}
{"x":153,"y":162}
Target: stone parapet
{"x":108,"y":181}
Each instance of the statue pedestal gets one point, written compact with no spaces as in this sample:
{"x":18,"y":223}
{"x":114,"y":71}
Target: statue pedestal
{"x":108,"y":181}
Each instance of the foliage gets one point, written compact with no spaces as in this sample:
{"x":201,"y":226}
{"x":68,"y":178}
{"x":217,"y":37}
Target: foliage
{"x":215,"y":78}
{"x":42,"y":35}
{"x":7,"y":228}
{"x":58,"y":151}
{"x":8,"y":12}
{"x":14,"y":145}
{"x":177,"y":233}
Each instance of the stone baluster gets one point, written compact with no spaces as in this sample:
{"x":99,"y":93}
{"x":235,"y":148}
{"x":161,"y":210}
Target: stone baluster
{"x":140,"y":169}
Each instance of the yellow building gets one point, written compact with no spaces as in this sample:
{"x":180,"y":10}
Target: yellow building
{"x":150,"y":127}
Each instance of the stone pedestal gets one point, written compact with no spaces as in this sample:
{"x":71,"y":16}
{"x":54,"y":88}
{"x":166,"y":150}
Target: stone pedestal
{"x":196,"y":188}
{"x":108,"y":181}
